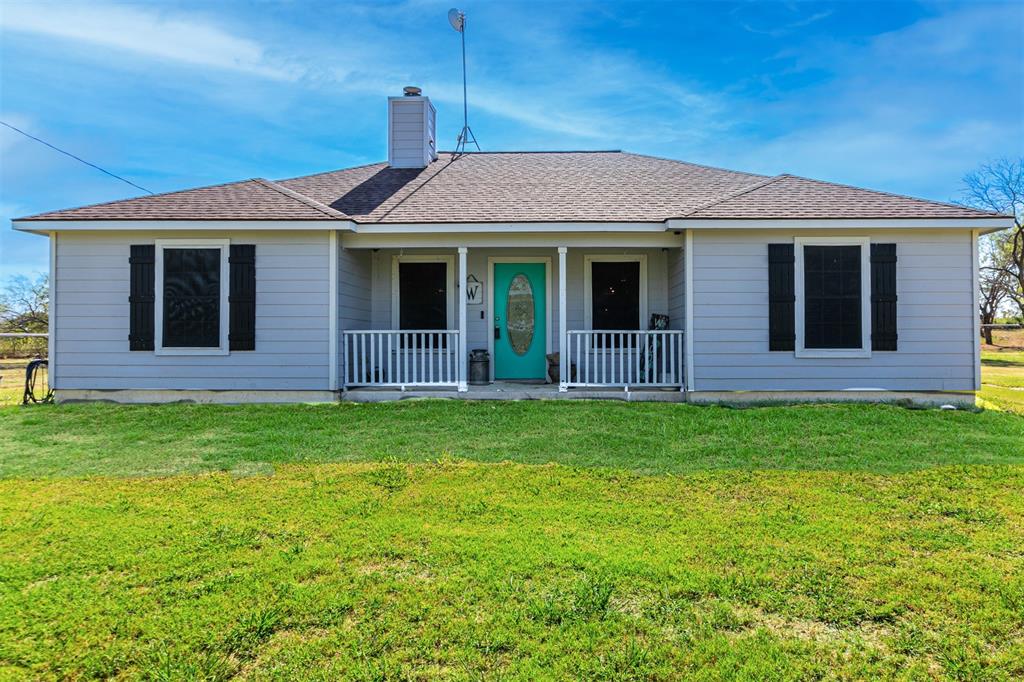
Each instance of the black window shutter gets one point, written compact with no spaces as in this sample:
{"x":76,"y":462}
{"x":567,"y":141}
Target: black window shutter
{"x":242,"y":297}
{"x":883,"y":297}
{"x":142,"y":296}
{"x":781,"y":298}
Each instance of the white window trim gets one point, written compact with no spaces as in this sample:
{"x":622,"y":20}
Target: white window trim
{"x":225,"y":280}
{"x":865,"y":297}
{"x":449,"y":262}
{"x":588,"y":295}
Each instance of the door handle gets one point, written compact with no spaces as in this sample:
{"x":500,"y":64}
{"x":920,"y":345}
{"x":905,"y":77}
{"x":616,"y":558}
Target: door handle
{"x":497,"y":333}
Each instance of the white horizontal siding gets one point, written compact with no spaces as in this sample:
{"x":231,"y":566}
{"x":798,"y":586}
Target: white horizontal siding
{"x":172,"y":382}
{"x":291,"y":318}
{"x":675,"y":265}
{"x":797,"y":383}
{"x":355,"y":278}
{"x":408,"y":133}
{"x":935,"y":312}
{"x":913,"y":296}
{"x":271,"y":353}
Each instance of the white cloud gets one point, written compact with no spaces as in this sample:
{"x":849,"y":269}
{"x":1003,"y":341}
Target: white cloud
{"x":910,"y":111}
{"x":596,"y":94}
{"x":898,"y":158}
{"x":178,"y":38}
{"x":880,"y":100}
{"x":787,"y":28}
{"x":633,"y":101}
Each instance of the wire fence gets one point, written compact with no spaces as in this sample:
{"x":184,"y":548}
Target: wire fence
{"x":23,"y":345}
{"x":24,"y":370}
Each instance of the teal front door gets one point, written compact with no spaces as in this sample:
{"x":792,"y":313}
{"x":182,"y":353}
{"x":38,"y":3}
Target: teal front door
{"x":520,"y":321}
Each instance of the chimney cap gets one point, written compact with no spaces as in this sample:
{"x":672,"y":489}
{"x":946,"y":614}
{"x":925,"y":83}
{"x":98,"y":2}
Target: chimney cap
{"x":412,"y":91}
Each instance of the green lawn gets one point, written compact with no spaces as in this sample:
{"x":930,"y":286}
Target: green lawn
{"x":1002,"y":376}
{"x":91,"y":439}
{"x":434,"y":540}
{"x":12,"y":381}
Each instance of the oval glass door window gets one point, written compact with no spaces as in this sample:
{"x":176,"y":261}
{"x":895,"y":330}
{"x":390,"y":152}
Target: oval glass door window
{"x":519,"y":316}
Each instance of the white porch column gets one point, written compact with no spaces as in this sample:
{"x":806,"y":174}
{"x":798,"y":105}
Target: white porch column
{"x":51,"y":337}
{"x":975,"y":286}
{"x":563,"y":338}
{"x":463,"y":344}
{"x":332,"y":315}
{"x":688,"y":327}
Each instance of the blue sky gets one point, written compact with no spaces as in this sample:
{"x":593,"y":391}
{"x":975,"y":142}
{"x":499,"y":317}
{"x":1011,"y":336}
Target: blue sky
{"x":904,"y":97}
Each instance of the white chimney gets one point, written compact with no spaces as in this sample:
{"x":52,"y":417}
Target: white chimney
{"x":411,"y":130}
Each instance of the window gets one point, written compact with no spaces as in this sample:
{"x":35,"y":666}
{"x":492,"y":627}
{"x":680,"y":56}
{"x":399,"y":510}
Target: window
{"x":832,"y":297}
{"x":615,"y":292}
{"x":615,"y":295}
{"x":191,"y":297}
{"x":831,"y":291}
{"x":423,"y":294}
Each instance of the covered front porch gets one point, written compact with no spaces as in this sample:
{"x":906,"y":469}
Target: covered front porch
{"x":583,"y":321}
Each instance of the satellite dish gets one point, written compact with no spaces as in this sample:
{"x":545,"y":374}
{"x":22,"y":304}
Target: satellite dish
{"x":457,"y":19}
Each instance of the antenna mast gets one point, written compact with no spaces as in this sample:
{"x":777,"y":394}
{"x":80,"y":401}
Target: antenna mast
{"x":457,"y":18}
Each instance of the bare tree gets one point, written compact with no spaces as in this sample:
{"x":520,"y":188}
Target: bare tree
{"x":995,"y":285}
{"x":25,"y":304}
{"x":999,"y":187}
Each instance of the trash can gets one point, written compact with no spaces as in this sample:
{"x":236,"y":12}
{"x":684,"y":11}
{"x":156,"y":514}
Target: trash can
{"x":479,"y":366}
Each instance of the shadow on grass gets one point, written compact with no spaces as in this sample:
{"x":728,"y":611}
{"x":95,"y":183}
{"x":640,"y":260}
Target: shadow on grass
{"x":992,"y":362}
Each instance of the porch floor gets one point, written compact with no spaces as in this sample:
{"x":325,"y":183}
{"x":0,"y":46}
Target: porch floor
{"x":509,"y":390}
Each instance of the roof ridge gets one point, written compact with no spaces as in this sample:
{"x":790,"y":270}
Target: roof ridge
{"x":537,"y":151}
{"x":556,"y":190}
{"x":335,"y":170}
{"x":947,"y":204}
{"x":736,"y":193}
{"x":697,"y":165}
{"x":452,"y":159}
{"x":301,"y":198}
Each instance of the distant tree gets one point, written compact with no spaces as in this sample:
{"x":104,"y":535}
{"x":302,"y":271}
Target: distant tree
{"x":999,"y":186}
{"x":25,"y":304}
{"x":24,"y":308}
{"x":995,"y":284}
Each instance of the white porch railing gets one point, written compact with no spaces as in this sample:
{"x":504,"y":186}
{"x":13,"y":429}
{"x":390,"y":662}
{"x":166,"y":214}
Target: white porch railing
{"x":623,"y":358}
{"x":428,"y":357}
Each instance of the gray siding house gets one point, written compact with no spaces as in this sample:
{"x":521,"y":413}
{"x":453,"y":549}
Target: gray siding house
{"x":582,"y":274}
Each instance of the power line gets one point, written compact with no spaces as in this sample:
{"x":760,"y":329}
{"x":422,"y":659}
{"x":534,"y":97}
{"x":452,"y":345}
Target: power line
{"x":76,"y":158}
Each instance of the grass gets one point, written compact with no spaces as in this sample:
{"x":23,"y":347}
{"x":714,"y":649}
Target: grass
{"x":1003,"y":368}
{"x":1002,"y":376}
{"x":530,"y":540}
{"x":12,"y":381}
{"x":460,"y":570}
{"x":434,"y":539}
{"x":98,"y":439}
{"x":1005,"y":399}
{"x":1002,"y":371}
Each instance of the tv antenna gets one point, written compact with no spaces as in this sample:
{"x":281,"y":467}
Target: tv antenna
{"x":457,"y":18}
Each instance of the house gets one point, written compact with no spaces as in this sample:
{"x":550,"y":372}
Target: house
{"x":650,"y":278}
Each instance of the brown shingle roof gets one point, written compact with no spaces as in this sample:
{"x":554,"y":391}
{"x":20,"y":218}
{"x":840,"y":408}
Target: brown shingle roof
{"x":255,"y":199}
{"x":523,"y":187}
{"x":789,"y":196}
{"x":506,"y":187}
